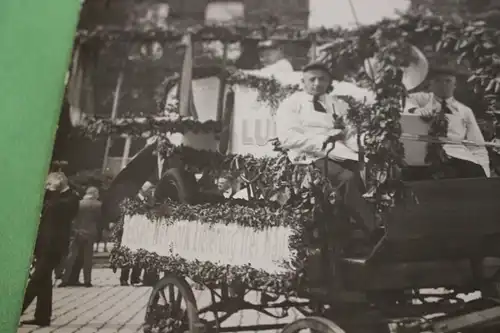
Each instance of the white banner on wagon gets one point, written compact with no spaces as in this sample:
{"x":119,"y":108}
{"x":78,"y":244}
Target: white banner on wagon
{"x":226,"y":244}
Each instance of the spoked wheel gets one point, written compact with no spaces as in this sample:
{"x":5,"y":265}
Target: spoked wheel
{"x":313,"y":325}
{"x":171,"y":307}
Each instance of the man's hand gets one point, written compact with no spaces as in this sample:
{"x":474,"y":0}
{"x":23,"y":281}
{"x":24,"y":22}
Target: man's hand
{"x":429,"y":110}
{"x":332,"y":139}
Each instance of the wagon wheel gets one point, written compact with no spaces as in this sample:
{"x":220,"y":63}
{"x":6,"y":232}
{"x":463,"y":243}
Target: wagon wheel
{"x":171,"y":307}
{"x":313,"y":325}
{"x":177,"y":185}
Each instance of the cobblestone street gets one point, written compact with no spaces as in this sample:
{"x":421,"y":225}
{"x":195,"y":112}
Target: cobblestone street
{"x":108,"y":307}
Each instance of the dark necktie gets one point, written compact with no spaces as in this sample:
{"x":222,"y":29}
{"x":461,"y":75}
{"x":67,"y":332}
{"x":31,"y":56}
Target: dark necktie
{"x":317,"y":105}
{"x":444,"y":107}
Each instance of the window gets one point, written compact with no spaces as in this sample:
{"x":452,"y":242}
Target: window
{"x":224,"y":12}
{"x":153,"y":16}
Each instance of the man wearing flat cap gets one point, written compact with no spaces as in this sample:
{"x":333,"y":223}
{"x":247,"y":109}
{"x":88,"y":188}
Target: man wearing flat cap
{"x":308,"y":119}
{"x":461,"y":161}
{"x":272,"y":57}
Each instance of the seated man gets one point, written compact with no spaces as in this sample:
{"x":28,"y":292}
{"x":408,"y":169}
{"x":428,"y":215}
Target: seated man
{"x":462,"y":161}
{"x":305,"y":121}
{"x":272,"y":57}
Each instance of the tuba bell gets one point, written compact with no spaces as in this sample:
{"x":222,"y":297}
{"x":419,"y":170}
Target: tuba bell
{"x":413,"y":75}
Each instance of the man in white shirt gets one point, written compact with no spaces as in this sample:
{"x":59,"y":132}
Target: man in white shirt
{"x":308,"y":119}
{"x":462,"y":161}
{"x":272,"y":57}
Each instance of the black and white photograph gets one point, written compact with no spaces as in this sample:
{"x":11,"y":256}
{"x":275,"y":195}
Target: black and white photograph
{"x":328,"y":166}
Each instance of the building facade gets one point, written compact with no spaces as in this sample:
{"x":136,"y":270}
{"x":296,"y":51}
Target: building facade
{"x":142,"y":77}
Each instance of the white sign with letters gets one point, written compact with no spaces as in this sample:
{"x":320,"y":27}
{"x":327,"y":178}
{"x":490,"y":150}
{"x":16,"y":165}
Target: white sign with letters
{"x":227,"y":244}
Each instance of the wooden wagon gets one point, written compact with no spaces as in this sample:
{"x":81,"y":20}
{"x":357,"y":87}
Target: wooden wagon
{"x":425,"y":255}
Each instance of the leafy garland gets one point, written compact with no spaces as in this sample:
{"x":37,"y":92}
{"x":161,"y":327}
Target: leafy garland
{"x":145,"y":127}
{"x":206,"y":272}
{"x":267,"y":30}
{"x":271,"y":177}
{"x":257,"y":214}
{"x":270,"y":90}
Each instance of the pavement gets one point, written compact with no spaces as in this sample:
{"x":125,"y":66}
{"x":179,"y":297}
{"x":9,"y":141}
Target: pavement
{"x":108,"y":307}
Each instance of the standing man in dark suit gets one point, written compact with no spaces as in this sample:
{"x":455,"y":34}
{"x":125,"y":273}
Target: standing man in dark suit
{"x":85,"y":232}
{"x":59,"y":210}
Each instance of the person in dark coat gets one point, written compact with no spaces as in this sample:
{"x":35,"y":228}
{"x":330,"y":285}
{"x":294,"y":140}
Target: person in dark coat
{"x":85,"y":231}
{"x":59,"y":210}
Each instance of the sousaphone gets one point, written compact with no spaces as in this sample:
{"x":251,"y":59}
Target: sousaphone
{"x":413,"y":75}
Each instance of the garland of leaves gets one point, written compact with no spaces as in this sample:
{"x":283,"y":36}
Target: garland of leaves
{"x":257,"y":214}
{"x":270,"y":90}
{"x":271,"y":177}
{"x":206,"y":272}
{"x":268,"y":30}
{"x":95,"y":127}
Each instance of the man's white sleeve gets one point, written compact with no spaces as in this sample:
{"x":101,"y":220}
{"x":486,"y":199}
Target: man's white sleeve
{"x":290,"y":132}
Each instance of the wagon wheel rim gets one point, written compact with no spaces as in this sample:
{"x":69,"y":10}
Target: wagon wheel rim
{"x":171,"y":307}
{"x":313,"y":325}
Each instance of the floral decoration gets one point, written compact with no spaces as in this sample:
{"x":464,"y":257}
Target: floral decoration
{"x":206,"y":272}
{"x":148,"y":126}
{"x":300,"y":195}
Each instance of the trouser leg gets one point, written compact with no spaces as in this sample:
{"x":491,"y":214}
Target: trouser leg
{"x":124,"y":275}
{"x":43,"y":311}
{"x":351,"y":183}
{"x":466,"y":169}
{"x":88,"y":254}
{"x":40,"y":287}
{"x":135,"y":277}
{"x":70,"y":260}
{"x":77,"y":267}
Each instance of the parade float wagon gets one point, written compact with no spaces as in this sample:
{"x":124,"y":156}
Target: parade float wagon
{"x":288,"y":239}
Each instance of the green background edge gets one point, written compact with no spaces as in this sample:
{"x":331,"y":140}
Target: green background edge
{"x":36,"y":37}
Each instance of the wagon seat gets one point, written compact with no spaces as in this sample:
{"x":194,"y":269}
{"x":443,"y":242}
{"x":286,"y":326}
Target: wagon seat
{"x":447,"y":234}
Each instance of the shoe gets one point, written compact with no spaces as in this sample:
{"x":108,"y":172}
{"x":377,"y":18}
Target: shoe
{"x":74,"y":284}
{"x":123,"y":283}
{"x":63,"y":285}
{"x":88,"y":285}
{"x":36,"y":322}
